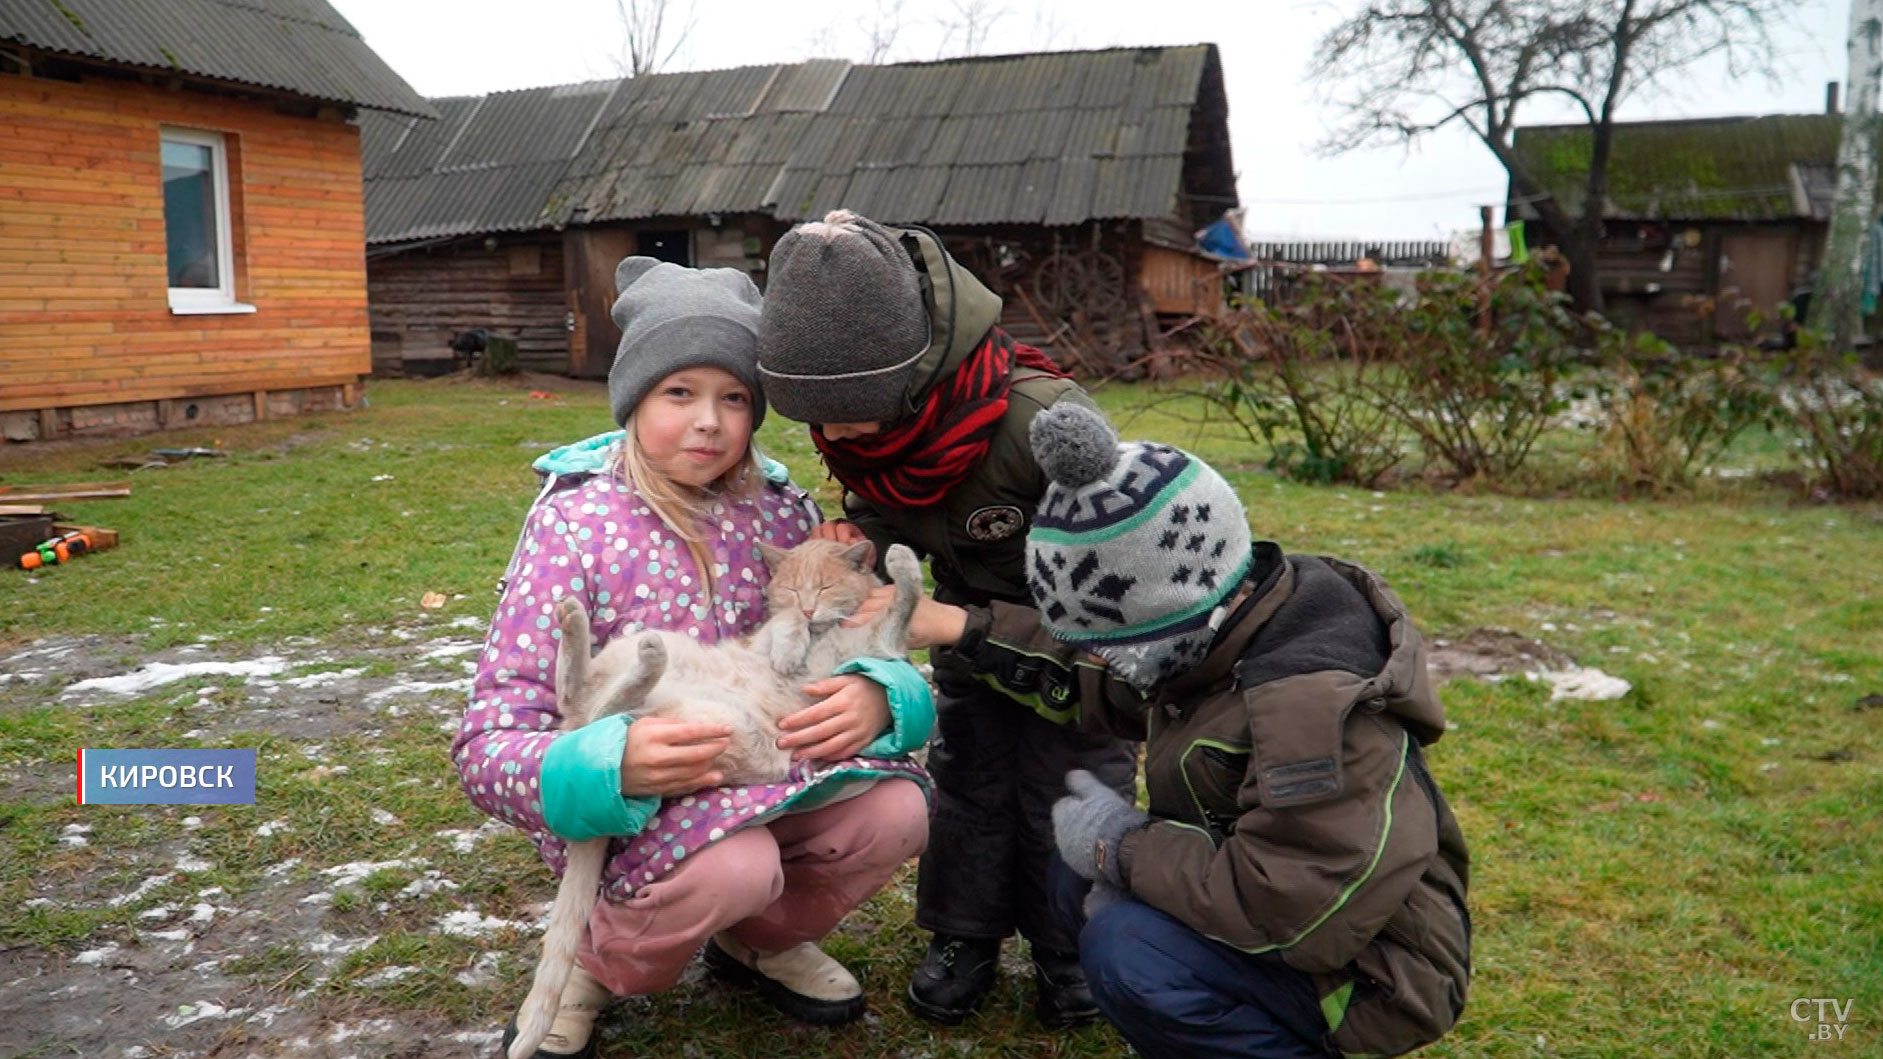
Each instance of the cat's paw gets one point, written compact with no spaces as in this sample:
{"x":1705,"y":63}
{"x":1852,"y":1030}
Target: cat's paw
{"x":571,"y":617}
{"x":651,"y":652}
{"x":903,"y":566}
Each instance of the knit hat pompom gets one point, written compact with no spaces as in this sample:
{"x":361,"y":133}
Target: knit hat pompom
{"x":1073,"y":444}
{"x":1136,"y":546}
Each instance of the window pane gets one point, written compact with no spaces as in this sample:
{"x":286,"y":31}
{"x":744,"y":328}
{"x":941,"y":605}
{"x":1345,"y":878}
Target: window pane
{"x":189,"y":214}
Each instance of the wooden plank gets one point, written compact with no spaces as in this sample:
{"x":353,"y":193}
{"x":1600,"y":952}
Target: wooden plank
{"x":62,"y":493}
{"x":22,"y":509}
{"x":11,"y":493}
{"x":261,"y":405}
{"x":48,"y":427}
{"x":102,"y":538}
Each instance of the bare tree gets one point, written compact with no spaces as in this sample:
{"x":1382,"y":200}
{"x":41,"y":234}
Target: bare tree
{"x":1050,"y":31}
{"x":966,"y":26}
{"x":881,"y":33}
{"x":1403,"y":68}
{"x":647,"y":26}
{"x":1836,"y":303}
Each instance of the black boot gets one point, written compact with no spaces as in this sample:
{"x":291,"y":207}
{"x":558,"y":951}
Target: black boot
{"x":953,"y":977}
{"x":1060,"y":995}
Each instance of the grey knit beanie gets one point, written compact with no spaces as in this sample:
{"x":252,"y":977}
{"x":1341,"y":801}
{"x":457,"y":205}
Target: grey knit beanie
{"x":673,"y":317}
{"x":1136,"y":547}
{"x":844,"y":322}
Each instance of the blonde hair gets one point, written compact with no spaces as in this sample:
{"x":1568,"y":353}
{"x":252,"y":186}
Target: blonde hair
{"x":682,"y":508}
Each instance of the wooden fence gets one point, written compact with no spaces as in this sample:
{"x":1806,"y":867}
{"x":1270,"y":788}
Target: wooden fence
{"x":1277,"y":263}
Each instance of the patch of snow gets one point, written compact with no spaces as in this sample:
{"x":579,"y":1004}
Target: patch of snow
{"x":432,"y":882}
{"x":1582,"y":682}
{"x":159,"y":912}
{"x":482,"y":973}
{"x":142,"y":888}
{"x":349,"y":874}
{"x":343,"y":1032}
{"x":478,"y":1038}
{"x":386,"y":976}
{"x":325,"y":944}
{"x":283,"y":868}
{"x":191,"y":823}
{"x":463,"y":841}
{"x":465,"y":622}
{"x":38,"y":902}
{"x":470,"y":923}
{"x":96,"y":957}
{"x":203,"y":912}
{"x":269,"y":829}
{"x":453,"y":648}
{"x":74,"y":835}
{"x":320,"y":898}
{"x":189,"y":862}
{"x":157,"y":674}
{"x":418,"y":687}
{"x":382,"y":817}
{"x":202,"y":1009}
{"x":178,"y":934}
{"x":315,"y":680}
{"x":268,"y":1015}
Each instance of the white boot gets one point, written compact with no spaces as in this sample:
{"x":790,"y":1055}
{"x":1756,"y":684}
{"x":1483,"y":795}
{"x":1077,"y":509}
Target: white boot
{"x":802,"y":981}
{"x":573,"y":1031}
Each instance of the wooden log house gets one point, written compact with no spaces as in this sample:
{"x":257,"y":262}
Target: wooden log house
{"x":1072,"y":182}
{"x":1706,"y":219}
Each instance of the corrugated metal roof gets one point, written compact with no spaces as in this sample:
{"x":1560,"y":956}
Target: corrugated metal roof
{"x":1057,"y":138}
{"x":1701,"y":169}
{"x":302,"y":47}
{"x":490,"y":164}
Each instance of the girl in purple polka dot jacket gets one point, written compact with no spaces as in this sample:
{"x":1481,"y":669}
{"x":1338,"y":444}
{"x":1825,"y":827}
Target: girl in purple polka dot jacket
{"x":656,"y":526}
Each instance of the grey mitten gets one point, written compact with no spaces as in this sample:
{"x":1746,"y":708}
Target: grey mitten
{"x":1088,"y":824}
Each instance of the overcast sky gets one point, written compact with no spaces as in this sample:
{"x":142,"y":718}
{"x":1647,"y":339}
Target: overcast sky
{"x":470,"y":47}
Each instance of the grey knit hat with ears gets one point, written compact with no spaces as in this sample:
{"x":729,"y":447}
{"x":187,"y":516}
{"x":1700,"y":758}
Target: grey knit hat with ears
{"x":845,"y":322}
{"x":1136,"y":547}
{"x":672,"y":317}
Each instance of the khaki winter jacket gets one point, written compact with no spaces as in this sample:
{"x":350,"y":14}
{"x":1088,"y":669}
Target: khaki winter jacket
{"x":1292,"y":810}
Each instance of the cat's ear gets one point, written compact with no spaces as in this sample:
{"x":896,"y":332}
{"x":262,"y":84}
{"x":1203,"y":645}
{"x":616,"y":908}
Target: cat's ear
{"x":861,"y":555}
{"x":773,"y":554}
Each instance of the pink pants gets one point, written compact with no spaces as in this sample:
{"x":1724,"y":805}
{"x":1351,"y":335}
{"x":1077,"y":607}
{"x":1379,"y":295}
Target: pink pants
{"x":775,"y":886}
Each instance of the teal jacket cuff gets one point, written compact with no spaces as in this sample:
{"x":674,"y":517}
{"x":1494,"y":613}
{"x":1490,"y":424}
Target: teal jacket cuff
{"x":581,"y":784}
{"x":911,"y":704}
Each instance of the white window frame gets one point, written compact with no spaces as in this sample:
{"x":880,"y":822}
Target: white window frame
{"x":196,"y":301}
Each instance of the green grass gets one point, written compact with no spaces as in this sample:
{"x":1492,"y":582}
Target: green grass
{"x":1659,"y":875}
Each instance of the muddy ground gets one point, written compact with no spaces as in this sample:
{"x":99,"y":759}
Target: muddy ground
{"x":162,"y":986}
{"x":158,"y":989}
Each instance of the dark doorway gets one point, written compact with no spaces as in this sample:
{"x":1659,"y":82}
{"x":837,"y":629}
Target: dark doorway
{"x":675,"y":245}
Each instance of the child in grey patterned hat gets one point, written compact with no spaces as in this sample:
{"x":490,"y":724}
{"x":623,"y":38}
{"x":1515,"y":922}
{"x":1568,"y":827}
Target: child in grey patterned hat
{"x":1297,"y":885}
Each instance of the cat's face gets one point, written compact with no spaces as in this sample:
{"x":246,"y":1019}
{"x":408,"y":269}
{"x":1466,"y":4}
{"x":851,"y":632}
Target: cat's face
{"x":819,"y":582}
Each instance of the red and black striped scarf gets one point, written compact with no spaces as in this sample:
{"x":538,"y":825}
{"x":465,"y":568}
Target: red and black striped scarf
{"x":915,"y":462}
